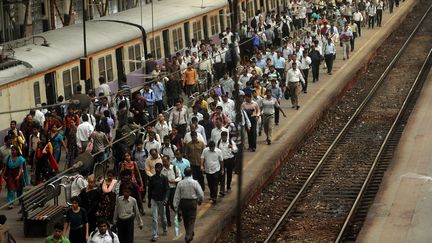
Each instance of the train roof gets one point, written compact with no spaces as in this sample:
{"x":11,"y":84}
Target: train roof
{"x":66,"y":44}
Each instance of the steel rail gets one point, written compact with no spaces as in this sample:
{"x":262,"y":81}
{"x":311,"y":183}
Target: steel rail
{"x":345,"y":129}
{"x":364,"y":187}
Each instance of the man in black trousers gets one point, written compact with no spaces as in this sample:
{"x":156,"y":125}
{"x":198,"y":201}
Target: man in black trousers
{"x":187,"y":196}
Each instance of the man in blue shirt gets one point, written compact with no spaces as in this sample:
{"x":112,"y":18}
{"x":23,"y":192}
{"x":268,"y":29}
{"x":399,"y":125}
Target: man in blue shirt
{"x":150,"y":99}
{"x":180,"y":162}
{"x":279,"y":63}
{"x":329,"y":55}
{"x":158,"y":91}
{"x":276,"y":93}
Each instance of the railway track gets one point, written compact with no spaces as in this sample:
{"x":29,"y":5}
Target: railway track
{"x":332,"y":203}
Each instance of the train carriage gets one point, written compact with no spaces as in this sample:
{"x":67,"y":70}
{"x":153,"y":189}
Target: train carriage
{"x":48,"y":65}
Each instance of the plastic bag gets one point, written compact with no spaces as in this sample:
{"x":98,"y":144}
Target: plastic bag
{"x":176,"y":225}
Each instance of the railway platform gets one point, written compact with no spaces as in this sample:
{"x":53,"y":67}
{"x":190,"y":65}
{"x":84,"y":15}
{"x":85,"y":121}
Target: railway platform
{"x":401,"y":209}
{"x":261,"y":165}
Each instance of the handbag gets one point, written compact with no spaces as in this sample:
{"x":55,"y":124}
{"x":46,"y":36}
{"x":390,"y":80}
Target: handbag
{"x":287,"y":93}
{"x":89,"y":147}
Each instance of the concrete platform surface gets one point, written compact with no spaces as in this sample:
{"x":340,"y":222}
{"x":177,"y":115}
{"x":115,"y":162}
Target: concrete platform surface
{"x":401,"y":210}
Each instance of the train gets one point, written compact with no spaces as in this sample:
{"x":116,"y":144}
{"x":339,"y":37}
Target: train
{"x":43,"y":67}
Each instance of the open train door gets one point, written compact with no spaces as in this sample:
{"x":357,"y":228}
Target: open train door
{"x":50,"y":88}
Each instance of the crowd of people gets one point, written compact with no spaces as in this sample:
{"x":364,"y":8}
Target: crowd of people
{"x":183,"y":126}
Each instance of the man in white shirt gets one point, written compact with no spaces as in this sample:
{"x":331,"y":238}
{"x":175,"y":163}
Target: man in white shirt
{"x":305,"y":62}
{"x":84,"y":131}
{"x":228,"y":107}
{"x":102,"y":234}
{"x":358,"y":19}
{"x":212,"y":165}
{"x":229,"y":149}
{"x":293,"y":79}
{"x":178,"y":118}
{"x":174,"y":176}
{"x":39,"y":116}
{"x":217,"y":130}
{"x":104,"y":88}
{"x":227,"y":84}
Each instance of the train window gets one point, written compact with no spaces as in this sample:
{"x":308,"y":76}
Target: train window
{"x":214,"y":25}
{"x":197,"y":30}
{"x":109,"y":68}
{"x":221,"y":19}
{"x":131,"y":51}
{"x":155,"y":47}
{"x":177,"y":39}
{"x":67,"y":84}
{"x":134,"y":55}
{"x":250,"y":11}
{"x":101,"y":65}
{"x":105,"y":67}
{"x":75,"y":77}
{"x":36,"y":91}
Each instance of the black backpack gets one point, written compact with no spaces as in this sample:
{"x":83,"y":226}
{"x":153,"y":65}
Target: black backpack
{"x":285,"y":30}
{"x":315,"y":56}
{"x":253,"y":23}
{"x":230,"y":143}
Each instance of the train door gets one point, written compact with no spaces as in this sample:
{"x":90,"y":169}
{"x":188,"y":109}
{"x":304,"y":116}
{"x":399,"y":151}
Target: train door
{"x":166,"y":43}
{"x":50,"y":88}
{"x":205,"y":27}
{"x":186,"y":32}
{"x":88,"y":83}
{"x":119,"y":62}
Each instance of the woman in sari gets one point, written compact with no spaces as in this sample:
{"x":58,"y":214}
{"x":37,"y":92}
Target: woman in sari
{"x":108,"y":199}
{"x":57,"y":142}
{"x":15,"y":175}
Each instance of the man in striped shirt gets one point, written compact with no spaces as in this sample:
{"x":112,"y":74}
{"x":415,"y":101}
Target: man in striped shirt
{"x":186,"y":198}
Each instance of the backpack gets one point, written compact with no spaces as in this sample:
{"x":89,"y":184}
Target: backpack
{"x":253,"y":23}
{"x":171,"y":146}
{"x":228,"y":57}
{"x":111,"y":234}
{"x":315,"y":56}
{"x":230,"y":143}
{"x":285,"y":30}
{"x":175,"y":171}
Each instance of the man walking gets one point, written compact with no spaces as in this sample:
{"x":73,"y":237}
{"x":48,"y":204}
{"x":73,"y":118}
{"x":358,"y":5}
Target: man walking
{"x":102,"y":234}
{"x":126,"y":210}
{"x":269,"y":106}
{"x":187,"y":196}
{"x":329,"y":55}
{"x":253,"y":112}
{"x":173,"y":175}
{"x":229,"y":149}
{"x":158,"y":193}
{"x":212,"y":165}
{"x":294,"y":77}
{"x":315,"y":57}
{"x":193,"y":151}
